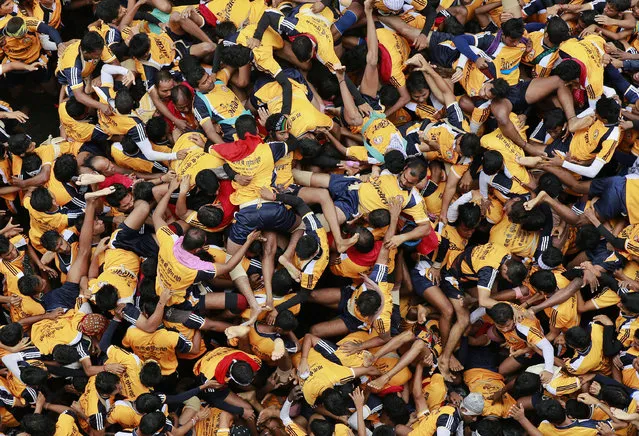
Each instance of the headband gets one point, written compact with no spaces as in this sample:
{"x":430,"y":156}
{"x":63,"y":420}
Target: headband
{"x":20,"y":32}
{"x":282,"y":124}
{"x":231,"y":375}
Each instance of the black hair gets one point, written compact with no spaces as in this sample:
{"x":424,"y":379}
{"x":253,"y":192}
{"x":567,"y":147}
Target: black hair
{"x":589,"y":17}
{"x":335,"y":402}
{"x":11,"y":334}
{"x":271,"y":122}
{"x":151,"y":423}
{"x":368,"y":302}
{"x":27,"y":284}
{"x":543,"y":281}
{"x":19,"y":143}
{"x":5,"y":244}
{"x":577,"y":337}
{"x":615,"y":396}
{"x":501,"y":313}
{"x":31,"y":162}
{"x":235,"y":56}
{"x":65,"y":168}
{"x":38,"y":424}
{"x":309,"y":147}
{"x":469,"y":215}
{"x":469,"y":145}
{"x":282,"y":282}
{"x":576,"y":409}
{"x":355,"y":59}
{"x":41,"y":199}
{"x":396,"y":408}
{"x":550,"y":184}
{"x":306,"y":247}
{"x":106,"y":382}
{"x":587,"y":237}
{"x":143,"y":191}
{"x":207,"y":181}
{"x":551,"y":410}
{"x":500,"y":88}
{"x":49,"y":239}
{"x":156,"y":129}
{"x":194,"y":238}
{"x":193,"y":74}
{"x":321,"y":427}
{"x":151,"y":374}
{"x":534,"y":220}
{"x":619,"y":5}
{"x":224,"y":29}
{"x":513,"y":28}
{"x":65,"y":354}
{"x":107,"y":10}
{"x":302,"y":48}
{"x":121,"y":52}
{"x":418,"y":167}
{"x":180,"y":91}
{"x":242,"y":372}
{"x":567,"y":70}
{"x":516,"y":272}
{"x":488,"y":427}
{"x":416,"y":81}
{"x":129,"y":146}
{"x":388,"y":95}
{"x":379,"y":218}
{"x":554,"y":118}
{"x":630,"y":302}
{"x":91,"y":42}
{"x":245,"y":124}
{"x":608,"y":109}
{"x":75,"y":109}
{"x":557,"y":30}
{"x":124,"y":102}
{"x":286,"y":321}
{"x":149,"y":267}
{"x":384,"y":430}
{"x":492,"y":162}
{"x":526,"y":384}
{"x":117,"y":195}
{"x":147,"y":403}
{"x":366,"y":241}
{"x":394,"y":161}
{"x":552,"y":257}
{"x":106,"y":298}
{"x":210,"y":216}
{"x":139,"y":45}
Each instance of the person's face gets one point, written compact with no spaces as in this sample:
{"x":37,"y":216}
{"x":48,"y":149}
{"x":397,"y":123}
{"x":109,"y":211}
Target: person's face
{"x":511,"y":42}
{"x":281,"y":136}
{"x":420,"y":96}
{"x":635,"y":364}
{"x":126,"y":204}
{"x":11,"y":254}
{"x":610,"y":11}
{"x":164,"y":89}
{"x":503,"y":271}
{"x":6,"y":7}
{"x":408,"y":180}
{"x":206,"y":83}
{"x":508,"y":206}
{"x":98,"y":227}
{"x":183,"y":104}
{"x":556,"y":132}
{"x":485,"y":91}
{"x":92,"y":55}
{"x":63,"y":246}
{"x":468,"y":418}
{"x":505,"y":328}
{"x":104,"y":166}
{"x":635,"y":10}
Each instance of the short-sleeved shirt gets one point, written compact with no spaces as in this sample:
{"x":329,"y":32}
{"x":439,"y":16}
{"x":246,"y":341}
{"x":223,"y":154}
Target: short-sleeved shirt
{"x":161,"y":346}
{"x":312,"y":269}
{"x":599,"y":142}
{"x":73,"y":69}
{"x":378,"y":191}
{"x":324,"y":374}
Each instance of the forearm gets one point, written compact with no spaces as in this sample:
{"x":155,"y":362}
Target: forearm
{"x":181,"y":209}
{"x":560,"y":296}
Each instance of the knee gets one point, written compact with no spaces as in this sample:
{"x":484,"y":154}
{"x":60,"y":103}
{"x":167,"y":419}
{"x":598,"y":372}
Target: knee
{"x":463,"y":319}
{"x":175,"y":18}
{"x":447,"y":310}
{"x":241,"y":83}
{"x":315,"y":331}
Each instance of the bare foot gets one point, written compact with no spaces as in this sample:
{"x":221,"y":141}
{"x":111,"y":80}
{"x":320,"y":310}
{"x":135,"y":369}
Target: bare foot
{"x":345,"y":244}
{"x":89,"y":179}
{"x":444,"y":369}
{"x":530,"y":204}
{"x":529,"y":161}
{"x":292,"y":270}
{"x":100,"y":193}
{"x":278,"y":349}
{"x":379,"y":383}
{"x":236,"y":331}
{"x":454,"y":364}
{"x":368,"y":358}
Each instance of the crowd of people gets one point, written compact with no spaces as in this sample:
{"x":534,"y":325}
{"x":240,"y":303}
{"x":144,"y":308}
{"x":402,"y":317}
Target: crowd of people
{"x":371,"y":218}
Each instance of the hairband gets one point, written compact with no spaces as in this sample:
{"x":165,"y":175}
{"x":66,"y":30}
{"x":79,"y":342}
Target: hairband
{"x":21,"y":31}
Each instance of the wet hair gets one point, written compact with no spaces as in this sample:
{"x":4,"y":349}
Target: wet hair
{"x":500,"y":88}
{"x":65,"y":354}
{"x":516,"y":272}
{"x":630,"y":302}
{"x":106,"y":383}
{"x":513,"y":28}
{"x":554,"y":118}
{"x":147,"y":403}
{"x":567,"y":70}
{"x":543,"y":281}
{"x":576,"y":409}
{"x":19,"y":143}
{"x":151,"y":374}
{"x":577,"y":337}
{"x":608,"y":109}
{"x":107,"y":10}
{"x":302,"y":48}
{"x":282,"y":282}
{"x":379,"y":218}
{"x":368,"y":302}
{"x":552,"y":257}
{"x":129,"y":146}
{"x":469,"y":145}
{"x":469,"y":215}
{"x":91,"y":42}
{"x":416,"y":82}
{"x":501,"y":313}
{"x":286,"y":321}
{"x":194,"y":238}
{"x":587,"y":237}
{"x":550,"y":184}
{"x":11,"y":334}
{"x":65,"y":168}
{"x":245,"y":124}
{"x":106,"y":298}
{"x":156,"y":129}
{"x":49,"y":239}
{"x":139,"y":45}
{"x":394,"y":161}
{"x":41,"y":199}
{"x":309,"y":148}
{"x":33,"y":376}
{"x":557,"y":30}
{"x":235,"y":56}
{"x":210,"y":216}
{"x":551,"y":410}
{"x":306,"y":247}
{"x":151,"y":423}
{"x":242,"y":372}
{"x":492,"y":162}
{"x":615,"y":396}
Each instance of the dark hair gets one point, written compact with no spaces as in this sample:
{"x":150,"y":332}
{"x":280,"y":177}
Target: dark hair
{"x":65,"y":354}
{"x":492,"y":162}
{"x":567,"y":70}
{"x":235,"y":56}
{"x":107,"y":10}
{"x":41,"y":199}
{"x":379,"y":218}
{"x":543,"y":281}
{"x":368,"y":302}
{"x":106,"y":383}
{"x":321,"y":427}
{"x":366,"y":241}
{"x":143,"y":191}
{"x":418,"y":166}
{"x":286,"y":321}
{"x":384,"y":430}
{"x":151,"y":374}
{"x":27,"y":284}
{"x":501,"y":313}
{"x":630,"y":302}
{"x":500,"y":88}
{"x":416,"y":82}
{"x":210,"y":216}
{"x":306,"y":247}
{"x":129,"y":146}
{"x":589,"y":17}
{"x":619,"y":5}
{"x":587,"y":237}
{"x":193,"y":74}
{"x":615,"y":396}
{"x":516,"y":272}
{"x":534,"y":220}
{"x":513,"y":28}
{"x":194,"y":238}
{"x":245,"y":124}
{"x":152,"y":423}
{"x":469,"y":215}
{"x":550,"y":184}
{"x":282,"y":282}
{"x":147,"y":403}
{"x":92,"y":42}
{"x":302,"y":48}
{"x":577,"y":337}
{"x":576,"y":409}
{"x":551,"y":410}
{"x":517,"y":212}
{"x":309,"y":147}
{"x":608,"y":109}
{"x":117,"y":196}
{"x":74,"y":108}
{"x":156,"y":129}
{"x":388,"y":95}
{"x":552,"y":257}
{"x":207,"y":181}
{"x":554,"y":118}
{"x":106,"y":298}
{"x":488,"y":427}
{"x":396,"y":408}
{"x":31,"y":162}
{"x":335,"y":402}
{"x":394,"y":161}
{"x":139,"y":45}
{"x":526,"y":384}
{"x":65,"y":168}
{"x":11,"y":334}
{"x":19,"y":143}
{"x":469,"y":145}
{"x":5,"y":244}
{"x":557,"y":30}
{"x":124,"y":102}
{"x":242,"y":372}
{"x":355,"y":59}
{"x":38,"y":424}
{"x":271,"y":122}
{"x":49,"y":239}
{"x":224,"y":29}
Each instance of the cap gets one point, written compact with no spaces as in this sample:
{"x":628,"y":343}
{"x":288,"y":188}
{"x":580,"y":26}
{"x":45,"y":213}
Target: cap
{"x":473,"y":404}
{"x":394,"y":5}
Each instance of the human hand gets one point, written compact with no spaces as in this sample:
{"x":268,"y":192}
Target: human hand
{"x":603,"y":319}
{"x":350,"y":347}
{"x":10,"y":230}
{"x":395,"y":206}
{"x":181,"y":125}
{"x":358,"y":398}
{"x":253,"y":43}
{"x":105,"y":109}
{"x":19,"y":116}
{"x":49,"y":271}
{"x":517,"y":412}
{"x":243,"y":180}
{"x":481,"y":63}
{"x":317,"y":7}
{"x":421,"y":42}
{"x":267,"y":193}
{"x":128,"y":79}
{"x":262,"y":115}
{"x":55,"y":313}
{"x":457,"y":75}
{"x":114,"y":368}
{"x":545,"y":377}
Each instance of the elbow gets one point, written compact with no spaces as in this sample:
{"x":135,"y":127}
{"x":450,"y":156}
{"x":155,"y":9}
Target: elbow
{"x":354,"y":119}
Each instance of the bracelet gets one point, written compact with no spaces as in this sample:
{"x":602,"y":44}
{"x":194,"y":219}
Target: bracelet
{"x":193,"y":421}
{"x":342,"y":81}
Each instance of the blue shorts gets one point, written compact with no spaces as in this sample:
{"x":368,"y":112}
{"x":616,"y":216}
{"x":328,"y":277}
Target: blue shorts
{"x":63,"y":297}
{"x":442,"y":55}
{"x":452,"y":291}
{"x":517,"y":96}
{"x":612,"y":196}
{"x":351,"y":322}
{"x":140,"y":242}
{"x":347,"y":200}
{"x":327,"y":349}
{"x":266,"y":216}
{"x":420,"y":282}
{"x":455,"y":115}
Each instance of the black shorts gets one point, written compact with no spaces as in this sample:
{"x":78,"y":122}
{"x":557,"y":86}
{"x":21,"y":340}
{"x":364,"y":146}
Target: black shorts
{"x":440,"y":54}
{"x":517,"y":96}
{"x":140,"y":242}
{"x":352,"y":323}
{"x":62,"y":297}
